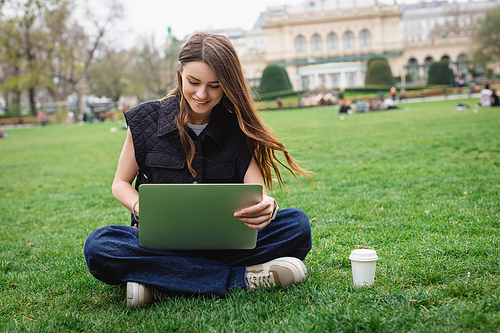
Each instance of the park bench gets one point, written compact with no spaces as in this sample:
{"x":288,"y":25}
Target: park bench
{"x":20,"y":121}
{"x":102,"y":110}
{"x":107,"y":115}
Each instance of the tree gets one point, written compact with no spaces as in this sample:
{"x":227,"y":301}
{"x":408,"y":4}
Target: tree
{"x":440,"y":73}
{"x":273,"y":79}
{"x":155,"y":67}
{"x":379,"y":72}
{"x":79,"y":45}
{"x":172,"y":49}
{"x":487,"y":38}
{"x":43,"y":44}
{"x":459,"y":22}
{"x":9,"y":64}
{"x":26,"y":47}
{"x":110,"y":75}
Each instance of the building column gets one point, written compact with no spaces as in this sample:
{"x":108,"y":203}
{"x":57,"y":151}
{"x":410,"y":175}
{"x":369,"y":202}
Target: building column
{"x":403,"y":76}
{"x":343,"y":79}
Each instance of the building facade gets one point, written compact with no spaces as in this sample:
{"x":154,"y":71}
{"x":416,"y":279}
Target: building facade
{"x":327,"y":43}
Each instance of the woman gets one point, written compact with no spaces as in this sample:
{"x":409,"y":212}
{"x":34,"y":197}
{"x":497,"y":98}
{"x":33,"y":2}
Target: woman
{"x":344,"y":108}
{"x":205,"y":131}
{"x":495,"y":101}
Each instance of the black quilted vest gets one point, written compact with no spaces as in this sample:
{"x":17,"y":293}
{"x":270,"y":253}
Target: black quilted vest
{"x":221,"y":150}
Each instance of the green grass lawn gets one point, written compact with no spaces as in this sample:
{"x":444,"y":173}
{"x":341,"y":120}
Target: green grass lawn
{"x":420,"y":185}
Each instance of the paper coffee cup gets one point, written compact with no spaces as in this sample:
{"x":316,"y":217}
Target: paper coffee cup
{"x":363,"y":262}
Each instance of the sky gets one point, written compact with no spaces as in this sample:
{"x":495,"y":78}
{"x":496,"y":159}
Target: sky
{"x":146,"y":17}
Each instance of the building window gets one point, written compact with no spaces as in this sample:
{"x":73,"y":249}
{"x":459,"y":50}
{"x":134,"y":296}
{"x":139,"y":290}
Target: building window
{"x":321,"y":81}
{"x":348,"y":40}
{"x":365,"y":38}
{"x":316,"y":42}
{"x":335,"y":80}
{"x":413,"y":68}
{"x":428,"y":61}
{"x":427,"y":64}
{"x":300,"y":44}
{"x":351,"y":79}
{"x":304,"y":83}
{"x":445,"y":58}
{"x":332,"y":41}
{"x":462,"y":63}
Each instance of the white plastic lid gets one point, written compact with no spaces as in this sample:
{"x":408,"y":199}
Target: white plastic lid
{"x":363,"y":255}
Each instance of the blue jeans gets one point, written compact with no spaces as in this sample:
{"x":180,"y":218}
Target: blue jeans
{"x":114,"y":256}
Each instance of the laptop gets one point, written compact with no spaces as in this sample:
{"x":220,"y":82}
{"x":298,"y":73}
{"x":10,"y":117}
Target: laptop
{"x":196,"y":216}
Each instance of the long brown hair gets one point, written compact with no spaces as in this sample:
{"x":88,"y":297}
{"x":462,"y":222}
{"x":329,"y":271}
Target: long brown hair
{"x":218,"y":52}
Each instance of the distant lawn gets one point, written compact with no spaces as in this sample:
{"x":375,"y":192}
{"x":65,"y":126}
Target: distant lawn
{"x":419,"y":185}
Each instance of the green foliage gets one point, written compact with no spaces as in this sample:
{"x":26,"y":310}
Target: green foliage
{"x":109,"y":75}
{"x":26,"y":45}
{"x":43,"y":42}
{"x":486,"y":38}
{"x":372,"y":60}
{"x":440,"y":73}
{"x":152,"y":74}
{"x":274,"y":79}
{"x":419,"y":185}
{"x":379,"y":72}
{"x":273,"y":95}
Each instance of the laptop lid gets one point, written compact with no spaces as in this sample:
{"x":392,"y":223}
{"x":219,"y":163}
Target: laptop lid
{"x":196,"y":216}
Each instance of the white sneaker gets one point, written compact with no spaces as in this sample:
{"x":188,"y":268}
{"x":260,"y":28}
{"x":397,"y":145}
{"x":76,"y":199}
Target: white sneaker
{"x":282,"y":271}
{"x":139,"y":294}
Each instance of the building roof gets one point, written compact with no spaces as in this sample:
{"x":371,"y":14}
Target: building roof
{"x":354,"y":57}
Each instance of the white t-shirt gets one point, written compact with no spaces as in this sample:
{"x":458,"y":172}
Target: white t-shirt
{"x":486,"y":97}
{"x":388,"y":103}
{"x":197,"y":128}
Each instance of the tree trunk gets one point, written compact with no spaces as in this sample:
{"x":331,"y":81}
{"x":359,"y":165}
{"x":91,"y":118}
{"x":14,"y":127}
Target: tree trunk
{"x":32,"y":93}
{"x":7,"y":106}
{"x":80,"y":103}
{"x":81,"y":89}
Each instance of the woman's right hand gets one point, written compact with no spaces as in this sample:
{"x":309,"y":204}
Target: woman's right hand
{"x":259,"y":215}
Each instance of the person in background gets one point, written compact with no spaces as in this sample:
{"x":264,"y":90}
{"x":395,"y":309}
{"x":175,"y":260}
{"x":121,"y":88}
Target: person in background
{"x":393,"y":92}
{"x":372,"y":105}
{"x":344,"y":108}
{"x":360,"y":106}
{"x":486,"y":96}
{"x":279,"y":103}
{"x":402,"y":95}
{"x":494,"y":98}
{"x":389,"y":104}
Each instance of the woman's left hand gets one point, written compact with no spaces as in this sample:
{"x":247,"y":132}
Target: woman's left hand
{"x":259,"y":215}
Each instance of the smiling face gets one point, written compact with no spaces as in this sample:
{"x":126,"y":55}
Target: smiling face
{"x":201,"y":89}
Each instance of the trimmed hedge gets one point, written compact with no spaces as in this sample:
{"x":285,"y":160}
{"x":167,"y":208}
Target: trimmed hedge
{"x":440,"y":73}
{"x":379,"y":72}
{"x":274,"y":79}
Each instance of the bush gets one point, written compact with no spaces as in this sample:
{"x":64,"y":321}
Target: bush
{"x":273,"y":95}
{"x":379,"y":72}
{"x":273,"y":79}
{"x":440,"y":73}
